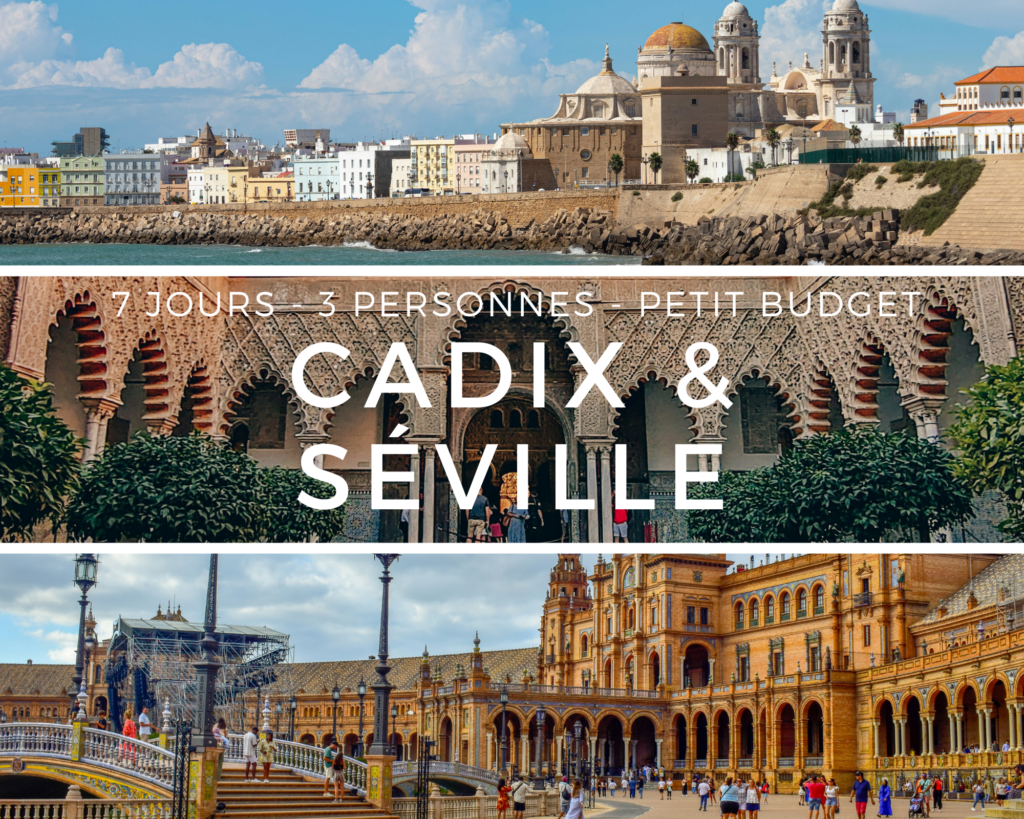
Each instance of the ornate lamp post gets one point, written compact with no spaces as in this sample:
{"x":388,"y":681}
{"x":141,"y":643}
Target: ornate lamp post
{"x":336,"y":696}
{"x":206,"y":668}
{"x":577,"y":730}
{"x":361,"y":690}
{"x":85,"y":578}
{"x":645,"y":161}
{"x":458,"y":182}
{"x":278,"y":710}
{"x":538,"y":777}
{"x":504,"y":743}
{"x":369,"y":185}
{"x":1010,"y":122}
{"x":293,"y":705}
{"x":394,"y":716}
{"x":382,"y":688}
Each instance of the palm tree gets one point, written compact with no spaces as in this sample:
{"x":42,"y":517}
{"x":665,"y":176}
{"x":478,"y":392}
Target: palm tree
{"x":732,"y":142}
{"x":855,"y":135}
{"x":898,"y":134}
{"x":773,"y":138}
{"x":655,"y":160}
{"x":692,"y":170}
{"x":615,"y":165}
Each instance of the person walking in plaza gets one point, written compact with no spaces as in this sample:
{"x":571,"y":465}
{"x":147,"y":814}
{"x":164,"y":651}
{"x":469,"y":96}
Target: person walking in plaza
{"x":564,"y":796}
{"x":861,"y":793}
{"x":220,"y":733}
{"x":576,"y":801}
{"x":145,"y":726}
{"x":519,"y":791}
{"x":632,"y":785}
{"x":815,"y":797}
{"x":328,"y":759}
{"x":670,"y":786}
{"x":831,"y":799}
{"x":764,"y":792}
{"x":250,"y":743}
{"x":477,"y":518}
{"x":703,"y":790}
{"x":503,"y":792}
{"x":611,"y":785}
{"x":661,"y":789}
{"x":937,"y":794}
{"x":337,"y":772}
{"x":926,"y":793}
{"x":625,"y":784}
{"x":620,"y":523}
{"x":729,"y":799}
{"x":979,"y":796}
{"x":131,"y":732}
{"x":640,"y":785}
{"x":885,"y":798}
{"x":516,"y":523}
{"x":267,"y":748}
{"x":802,"y":793}
{"x":752,"y":799}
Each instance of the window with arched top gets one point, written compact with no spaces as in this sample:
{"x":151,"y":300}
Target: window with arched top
{"x":855,"y":53}
{"x":739,"y":615}
{"x":842,"y":54}
{"x":746,"y":59}
{"x":631,"y":619}
{"x":1017,"y":95}
{"x":583,"y":646}
{"x":784,"y":605}
{"x":1004,"y":95}
{"x":533,"y":419}
{"x":801,"y":601}
{"x":515,"y":419}
{"x":497,"y":419}
{"x":769,"y":610}
{"x":755,"y":612}
{"x":629,"y":579}
{"x":819,"y":599}
{"x":831,"y":53}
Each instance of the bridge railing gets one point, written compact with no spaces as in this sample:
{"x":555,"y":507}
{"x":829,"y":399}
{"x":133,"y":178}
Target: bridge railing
{"x":538,"y":803}
{"x":86,"y":809}
{"x":132,"y":756}
{"x":307,"y":760}
{"x":450,"y":768}
{"x":29,"y":739}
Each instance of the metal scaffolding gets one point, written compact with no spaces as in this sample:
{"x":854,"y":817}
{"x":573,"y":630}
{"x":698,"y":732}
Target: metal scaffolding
{"x":152,"y":663}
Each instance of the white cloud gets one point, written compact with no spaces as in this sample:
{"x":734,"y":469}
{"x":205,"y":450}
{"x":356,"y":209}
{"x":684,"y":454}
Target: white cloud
{"x":790,"y":29}
{"x":1005,"y":51}
{"x":67,"y":644}
{"x":208,"y":65}
{"x":27,"y":31}
{"x":458,"y":56}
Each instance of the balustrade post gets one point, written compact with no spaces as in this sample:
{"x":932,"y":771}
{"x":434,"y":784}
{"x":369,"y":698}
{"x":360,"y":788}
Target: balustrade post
{"x":73,"y":803}
{"x":481,"y":803}
{"x":435,"y":802}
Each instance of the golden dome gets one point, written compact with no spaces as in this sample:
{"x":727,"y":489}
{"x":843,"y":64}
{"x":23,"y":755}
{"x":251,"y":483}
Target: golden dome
{"x":679,"y":37}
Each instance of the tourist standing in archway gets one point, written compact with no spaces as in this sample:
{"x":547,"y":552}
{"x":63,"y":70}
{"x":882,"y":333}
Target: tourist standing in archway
{"x":620,"y":523}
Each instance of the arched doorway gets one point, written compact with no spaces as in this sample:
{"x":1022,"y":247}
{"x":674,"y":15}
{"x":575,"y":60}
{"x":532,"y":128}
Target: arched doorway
{"x":746,"y":735}
{"x":515,"y":420}
{"x":1000,"y":716}
{"x":349,"y":743}
{"x":681,"y":744}
{"x":610,"y":745}
{"x":972,"y":732}
{"x":700,"y":737}
{"x":263,"y":422}
{"x":513,"y":748}
{"x":645,"y":749}
{"x":308,"y":739}
{"x":444,"y":745}
{"x":722,"y":739}
{"x":815,"y":731}
{"x":542,"y":431}
{"x":941,"y":740}
{"x":787,"y":736}
{"x":886,"y":730}
{"x":914,"y":732}
{"x":696,"y":668}
{"x":654,"y":671}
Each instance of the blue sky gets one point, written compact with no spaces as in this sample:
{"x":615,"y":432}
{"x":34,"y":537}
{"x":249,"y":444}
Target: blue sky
{"x":142,"y":70}
{"x":329,"y":604}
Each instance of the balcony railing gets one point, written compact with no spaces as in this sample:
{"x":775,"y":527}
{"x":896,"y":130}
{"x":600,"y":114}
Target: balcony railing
{"x":801,"y":613}
{"x":753,"y":622}
{"x":862,"y":599}
{"x":769,"y":619}
{"x":549,"y":658}
{"x":785,"y":617}
{"x":819,"y":610}
{"x":786,"y":762}
{"x":700,"y":763}
{"x":697,"y":629}
{"x":744,"y":763}
{"x":722,"y":763}
{"x":739,"y":625}
{"x":814,"y":761}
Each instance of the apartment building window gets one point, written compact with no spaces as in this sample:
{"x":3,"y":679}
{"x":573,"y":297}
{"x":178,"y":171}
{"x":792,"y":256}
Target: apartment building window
{"x":693,"y":129}
{"x":693,"y":101}
{"x":705,"y":616}
{"x":691,"y":615}
{"x":867,"y":636}
{"x":744,"y":669}
{"x":584,"y":131}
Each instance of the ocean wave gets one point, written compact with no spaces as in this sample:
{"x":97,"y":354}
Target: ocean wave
{"x":368,"y":246}
{"x":576,"y":250}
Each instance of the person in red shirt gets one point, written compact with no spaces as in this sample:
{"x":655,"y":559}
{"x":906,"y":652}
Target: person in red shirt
{"x":620,"y":523}
{"x":815,"y":796}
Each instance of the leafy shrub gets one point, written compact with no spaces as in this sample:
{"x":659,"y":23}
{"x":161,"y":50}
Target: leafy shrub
{"x":706,"y":180}
{"x":677,"y":196}
{"x":846,"y":190}
{"x":908,"y":176}
{"x":881,"y":180}
{"x":38,"y":457}
{"x":858,"y":172}
{"x":636,"y":193}
{"x":953,"y":179}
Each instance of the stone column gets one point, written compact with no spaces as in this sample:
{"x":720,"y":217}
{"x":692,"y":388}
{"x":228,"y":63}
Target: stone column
{"x":378,"y":780}
{"x":606,"y":495}
{"x":903,"y":737}
{"x":593,"y":519}
{"x":428,"y":494}
{"x":625,"y":754}
{"x":711,"y":671}
{"x":989,"y":730}
{"x":874,"y":726}
{"x":524,"y":754}
{"x":952,"y":733}
{"x":959,"y":733}
{"x":1013,"y":725}
{"x":490,"y":750}
{"x":414,"y":494}
{"x":925,"y":414}
{"x":558,"y":746}
{"x":982,"y":732}
{"x":657,"y":755}
{"x":97,"y":418}
{"x":1020,"y":727}
{"x":928,"y":737}
{"x":632,"y":753}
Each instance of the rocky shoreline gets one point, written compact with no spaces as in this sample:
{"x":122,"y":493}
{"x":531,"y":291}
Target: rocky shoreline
{"x":759,"y":240}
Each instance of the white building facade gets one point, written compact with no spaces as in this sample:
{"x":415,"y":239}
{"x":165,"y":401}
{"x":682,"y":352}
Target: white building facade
{"x":316,"y":178}
{"x":134,"y":178}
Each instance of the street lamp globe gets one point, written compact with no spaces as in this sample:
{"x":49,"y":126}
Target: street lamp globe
{"x":293,"y":703}
{"x":335,"y":694}
{"x":90,"y":641}
{"x":278,"y":709}
{"x":577,"y":729}
{"x":85,"y":572}
{"x":504,"y":695}
{"x":361,"y":688}
{"x":394,"y":711}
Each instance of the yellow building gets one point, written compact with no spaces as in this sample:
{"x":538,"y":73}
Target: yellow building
{"x":270,"y":188}
{"x":433,"y":164}
{"x":19,"y":186}
{"x":217,"y":184}
{"x":49,"y":187}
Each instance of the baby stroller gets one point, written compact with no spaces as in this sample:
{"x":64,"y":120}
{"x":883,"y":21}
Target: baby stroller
{"x":916,"y":805}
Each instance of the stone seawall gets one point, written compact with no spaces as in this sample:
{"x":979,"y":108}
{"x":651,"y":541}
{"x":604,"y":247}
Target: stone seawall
{"x":520,"y":210}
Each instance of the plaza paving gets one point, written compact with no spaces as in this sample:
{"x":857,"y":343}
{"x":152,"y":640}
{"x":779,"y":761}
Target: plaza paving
{"x":785,"y":805}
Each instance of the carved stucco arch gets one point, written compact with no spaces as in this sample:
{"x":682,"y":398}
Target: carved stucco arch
{"x":710,"y":421}
{"x":644,"y":712}
{"x":304,"y":417}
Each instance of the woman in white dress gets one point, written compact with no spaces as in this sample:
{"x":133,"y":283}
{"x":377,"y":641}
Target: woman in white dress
{"x":576,"y":803}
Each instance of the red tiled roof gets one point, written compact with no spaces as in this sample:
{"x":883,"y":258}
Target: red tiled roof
{"x":989,"y":116}
{"x":1000,"y":75}
{"x":828,"y":125}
